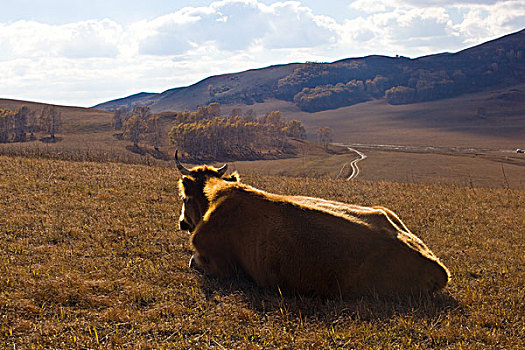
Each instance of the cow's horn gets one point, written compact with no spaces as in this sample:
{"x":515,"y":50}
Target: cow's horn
{"x":181,"y":167}
{"x":222,"y":169}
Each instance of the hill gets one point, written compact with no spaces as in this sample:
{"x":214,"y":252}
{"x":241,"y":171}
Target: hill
{"x":78,"y":120}
{"x":91,"y":257}
{"x":314,"y":87}
{"x":493,"y":119}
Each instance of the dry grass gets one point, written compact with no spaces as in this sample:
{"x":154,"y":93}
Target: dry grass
{"x":492,"y":169}
{"x":91,"y":257}
{"x":448,"y":122}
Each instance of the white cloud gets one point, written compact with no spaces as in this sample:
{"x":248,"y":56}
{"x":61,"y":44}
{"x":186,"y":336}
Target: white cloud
{"x":29,"y":39}
{"x":417,"y":27}
{"x":369,"y":6}
{"x":92,"y":39}
{"x":482,"y":22}
{"x":445,"y":3}
{"x":290,"y":25}
{"x":235,"y":25}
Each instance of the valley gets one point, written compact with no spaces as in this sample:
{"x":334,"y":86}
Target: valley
{"x":431,"y":142}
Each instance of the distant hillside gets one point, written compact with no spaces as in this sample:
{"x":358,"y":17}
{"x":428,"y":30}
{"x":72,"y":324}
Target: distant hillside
{"x":77,"y":120}
{"x":317,"y":87}
{"x":239,"y":88}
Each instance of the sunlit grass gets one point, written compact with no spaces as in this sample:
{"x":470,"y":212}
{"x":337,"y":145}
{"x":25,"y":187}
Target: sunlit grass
{"x":91,"y":256}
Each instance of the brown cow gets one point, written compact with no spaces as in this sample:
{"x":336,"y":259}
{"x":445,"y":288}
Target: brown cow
{"x":301,"y":244}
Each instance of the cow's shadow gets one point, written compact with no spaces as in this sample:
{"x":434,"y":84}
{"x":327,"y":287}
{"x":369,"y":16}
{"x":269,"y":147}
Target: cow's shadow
{"x":330,"y":310}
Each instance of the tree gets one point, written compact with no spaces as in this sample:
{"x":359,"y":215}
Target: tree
{"x":295,"y":128}
{"x":400,"y":95}
{"x":250,"y":115}
{"x":204,"y":134}
{"x":214,"y":109}
{"x":116,"y":122}
{"x":20,"y":124}
{"x":207,"y":112}
{"x":154,"y":129}
{"x":235,"y":112}
{"x":274,"y":118}
{"x":32,"y":124}
{"x":133,"y":128}
{"x":4,"y":125}
{"x":325,"y":136}
{"x":50,"y":121}
{"x":142,"y":111}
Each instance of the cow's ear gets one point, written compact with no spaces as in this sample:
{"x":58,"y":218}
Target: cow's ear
{"x":234,"y":177}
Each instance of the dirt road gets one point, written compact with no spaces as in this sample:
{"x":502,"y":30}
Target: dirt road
{"x":352,"y":164}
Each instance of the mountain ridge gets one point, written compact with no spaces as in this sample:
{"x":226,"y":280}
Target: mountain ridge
{"x":322,"y":86}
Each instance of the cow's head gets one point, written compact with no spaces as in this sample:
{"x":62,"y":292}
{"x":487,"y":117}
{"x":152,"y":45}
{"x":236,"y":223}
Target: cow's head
{"x":191,"y":188}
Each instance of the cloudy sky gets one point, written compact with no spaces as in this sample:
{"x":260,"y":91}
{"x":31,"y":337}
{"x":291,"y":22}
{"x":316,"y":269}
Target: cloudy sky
{"x":77,"y":52}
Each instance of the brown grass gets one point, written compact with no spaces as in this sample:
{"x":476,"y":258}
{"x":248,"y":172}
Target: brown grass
{"x":491,"y":169}
{"x":91,"y":257}
{"x":448,"y":122}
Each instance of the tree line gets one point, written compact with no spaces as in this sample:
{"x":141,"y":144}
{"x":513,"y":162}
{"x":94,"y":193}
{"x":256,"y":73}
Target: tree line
{"x":209,"y":134}
{"x":320,"y":86}
{"x":16,"y":125}
{"x":330,"y":96}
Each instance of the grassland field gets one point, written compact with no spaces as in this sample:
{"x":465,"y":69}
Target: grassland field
{"x":91,"y":257}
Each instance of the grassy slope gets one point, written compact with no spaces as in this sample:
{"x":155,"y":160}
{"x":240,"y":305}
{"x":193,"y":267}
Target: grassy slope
{"x":449,"y":122}
{"x":90,"y":253}
{"x":76,"y":120}
{"x":85,"y":132}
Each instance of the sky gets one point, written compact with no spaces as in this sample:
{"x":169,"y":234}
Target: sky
{"x":82,"y":53}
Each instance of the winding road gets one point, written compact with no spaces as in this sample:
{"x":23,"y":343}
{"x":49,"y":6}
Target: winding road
{"x":353,"y":165}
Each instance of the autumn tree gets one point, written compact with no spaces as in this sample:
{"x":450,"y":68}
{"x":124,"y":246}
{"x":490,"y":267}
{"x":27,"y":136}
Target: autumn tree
{"x":295,"y":128}
{"x":208,"y":112}
{"x":15,"y":125}
{"x":154,"y":130}
{"x":32,"y":124}
{"x":143,"y":112}
{"x":20,"y":124}
{"x":50,"y":121}
{"x":250,"y":115}
{"x":118,"y":116}
{"x":325,"y":136}
{"x":5,"y":121}
{"x":235,"y":112}
{"x":274,"y":118}
{"x":203,"y":133}
{"x":133,"y":128}
{"x":400,"y":95}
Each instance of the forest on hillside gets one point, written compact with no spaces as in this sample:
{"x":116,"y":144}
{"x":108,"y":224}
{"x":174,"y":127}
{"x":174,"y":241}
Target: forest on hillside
{"x":319,"y":86}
